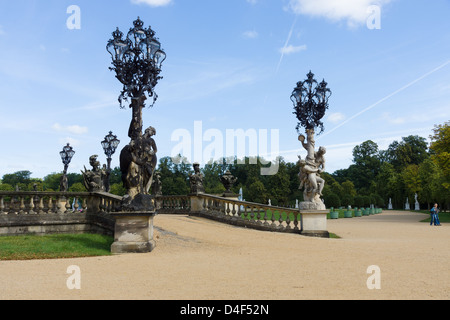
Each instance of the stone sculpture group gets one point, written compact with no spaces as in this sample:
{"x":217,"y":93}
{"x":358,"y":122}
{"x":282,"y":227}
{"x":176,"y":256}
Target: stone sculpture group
{"x":309,"y":175}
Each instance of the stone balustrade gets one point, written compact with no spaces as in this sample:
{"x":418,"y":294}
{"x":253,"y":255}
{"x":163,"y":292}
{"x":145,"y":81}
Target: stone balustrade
{"x":247,"y":214}
{"x":173,"y":204}
{"x":56,"y":212}
{"x":53,"y":212}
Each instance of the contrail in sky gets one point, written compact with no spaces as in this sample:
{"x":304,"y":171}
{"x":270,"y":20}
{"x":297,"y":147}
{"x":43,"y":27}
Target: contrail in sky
{"x":387,"y":97}
{"x":286,"y":44}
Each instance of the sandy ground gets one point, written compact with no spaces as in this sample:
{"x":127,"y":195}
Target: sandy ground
{"x":198,"y":259}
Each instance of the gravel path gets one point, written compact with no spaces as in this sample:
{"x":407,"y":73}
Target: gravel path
{"x":198,"y":259}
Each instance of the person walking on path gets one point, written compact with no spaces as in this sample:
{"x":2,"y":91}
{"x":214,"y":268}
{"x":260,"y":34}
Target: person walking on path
{"x":435,"y":215}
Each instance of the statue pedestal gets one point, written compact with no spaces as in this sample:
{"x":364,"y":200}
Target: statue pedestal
{"x":314,"y":223}
{"x":133,"y":232}
{"x":314,"y":206}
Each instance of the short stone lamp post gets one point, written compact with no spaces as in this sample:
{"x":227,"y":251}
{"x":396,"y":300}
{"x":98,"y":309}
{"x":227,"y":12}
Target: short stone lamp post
{"x":109,"y":144}
{"x":66,"y":156}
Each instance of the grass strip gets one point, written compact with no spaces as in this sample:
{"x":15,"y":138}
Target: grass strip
{"x":54,"y":246}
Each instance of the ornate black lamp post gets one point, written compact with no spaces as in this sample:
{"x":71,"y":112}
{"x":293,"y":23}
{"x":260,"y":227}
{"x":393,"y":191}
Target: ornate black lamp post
{"x":109,"y":144}
{"x":137,"y":60}
{"x":310,"y":100}
{"x":66,"y":156}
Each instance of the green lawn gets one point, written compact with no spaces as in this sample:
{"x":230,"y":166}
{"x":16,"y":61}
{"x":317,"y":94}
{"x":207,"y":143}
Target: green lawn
{"x":54,"y":246}
{"x":444,"y":217}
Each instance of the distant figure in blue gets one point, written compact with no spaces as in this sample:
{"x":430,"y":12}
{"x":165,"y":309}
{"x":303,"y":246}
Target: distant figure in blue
{"x":435,"y":215}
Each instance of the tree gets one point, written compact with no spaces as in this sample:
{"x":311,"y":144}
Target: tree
{"x":411,"y":150}
{"x":440,"y":149}
{"x":412,"y":180}
{"x":77,"y":187}
{"x":358,"y":201}
{"x":428,"y":174}
{"x":332,"y":200}
{"x":256,"y":192}
{"x":366,"y":164}
{"x":211,"y":173}
{"x":118,"y":189}
{"x":365,"y":152}
{"x":278,"y":185}
{"x":384,"y":181}
{"x":6,"y":187}
{"x":115,"y":176}
{"x":174,"y":176}
{"x":16,"y":178}
{"x":51,"y":182}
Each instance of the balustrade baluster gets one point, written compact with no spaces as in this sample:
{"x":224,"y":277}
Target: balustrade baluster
{"x":296,"y":221}
{"x":50,"y":205}
{"x":210,"y":204}
{"x":280,"y":220}
{"x":22,"y":206}
{"x":288,"y":221}
{"x":266,"y":223}
{"x":67,"y":206}
{"x":258,"y":215}
{"x":84,"y":205}
{"x":2,"y":206}
{"x":204,"y":204}
{"x":41,"y":205}
{"x":75,"y":205}
{"x":31,"y":205}
{"x":61,"y":204}
{"x":102,"y":205}
{"x":12,"y":205}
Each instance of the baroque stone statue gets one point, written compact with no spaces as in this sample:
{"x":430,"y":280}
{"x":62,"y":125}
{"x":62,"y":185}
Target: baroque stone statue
{"x":137,"y":163}
{"x":309,"y":175}
{"x":157,"y":185}
{"x":93,"y":179}
{"x":196,"y":180}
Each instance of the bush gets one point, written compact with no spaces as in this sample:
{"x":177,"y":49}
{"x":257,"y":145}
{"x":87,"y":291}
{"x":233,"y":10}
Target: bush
{"x":359,"y":201}
{"x":332,"y":200}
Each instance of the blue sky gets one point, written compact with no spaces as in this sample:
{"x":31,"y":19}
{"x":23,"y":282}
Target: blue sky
{"x":230,"y":64}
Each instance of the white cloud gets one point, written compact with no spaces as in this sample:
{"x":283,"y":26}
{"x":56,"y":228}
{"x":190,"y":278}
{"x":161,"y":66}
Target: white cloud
{"x":387,"y":117}
{"x":292,"y":49}
{"x":73,"y":142}
{"x":152,"y":3}
{"x":355,"y":12}
{"x":336,"y":117}
{"x":74,"y":129}
{"x":250,"y":34}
